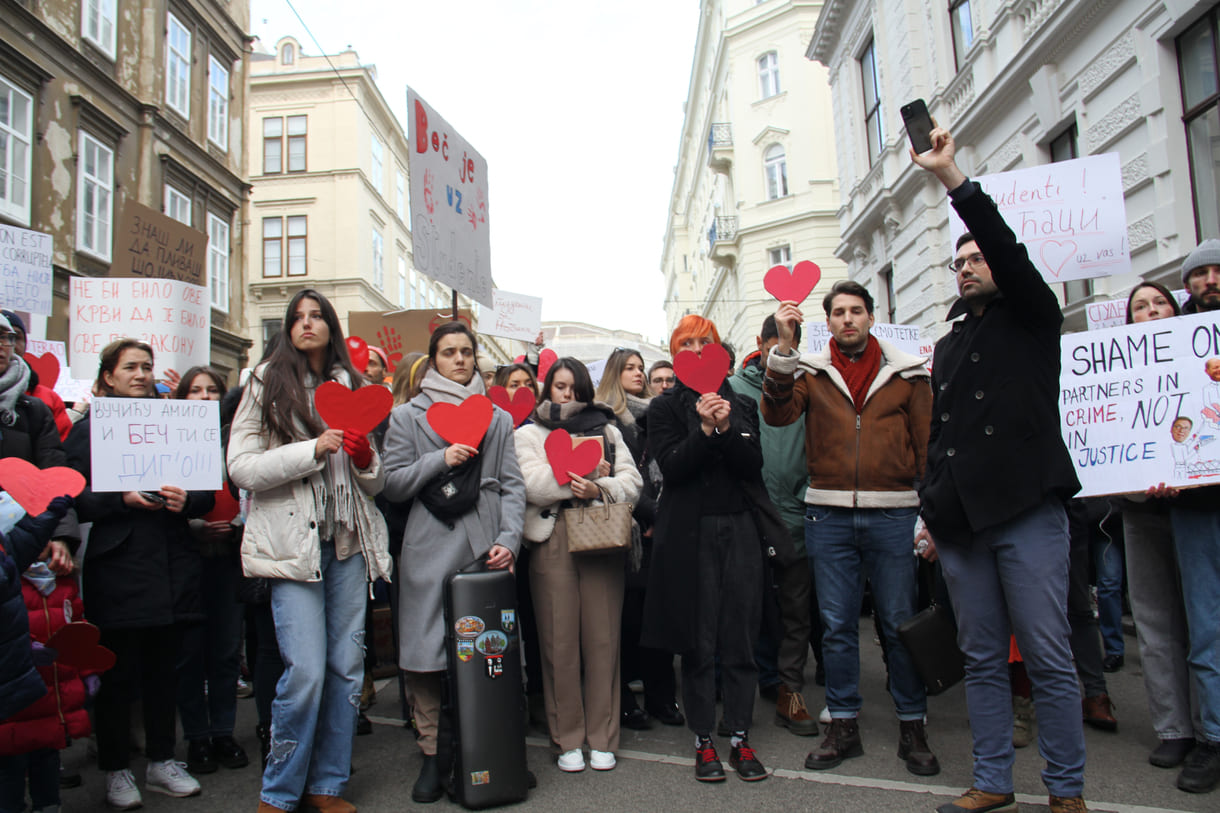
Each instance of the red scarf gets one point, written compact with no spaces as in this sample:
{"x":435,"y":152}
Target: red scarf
{"x":858,"y":374}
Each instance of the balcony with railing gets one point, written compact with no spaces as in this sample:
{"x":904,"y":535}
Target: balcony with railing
{"x":720,"y":146}
{"x":722,"y":240}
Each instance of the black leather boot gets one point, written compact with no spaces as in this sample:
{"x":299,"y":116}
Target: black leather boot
{"x":428,"y":787}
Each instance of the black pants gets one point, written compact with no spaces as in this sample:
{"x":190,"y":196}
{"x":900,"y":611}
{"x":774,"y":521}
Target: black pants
{"x":655,"y":667}
{"x":145,"y":666}
{"x":1086,"y":633}
{"x":267,"y":665}
{"x":729,"y":570}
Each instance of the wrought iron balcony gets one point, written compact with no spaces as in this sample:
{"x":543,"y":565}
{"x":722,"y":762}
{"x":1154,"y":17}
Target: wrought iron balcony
{"x":722,"y":240}
{"x":720,"y":146}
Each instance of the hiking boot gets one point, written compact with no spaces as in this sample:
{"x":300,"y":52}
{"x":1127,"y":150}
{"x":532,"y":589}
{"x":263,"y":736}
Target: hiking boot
{"x":428,"y":785}
{"x":842,"y":742}
{"x":121,"y":790}
{"x":199,"y":757}
{"x":228,"y":753}
{"x":1022,"y":721}
{"x":170,"y":777}
{"x":1201,"y":771}
{"x":707,"y":764}
{"x":980,"y":801}
{"x":1099,"y":712}
{"x":743,"y":760}
{"x":790,"y":712}
{"x":326,"y":804}
{"x":1067,"y":804}
{"x":1171,"y":753}
{"x":913,"y":747}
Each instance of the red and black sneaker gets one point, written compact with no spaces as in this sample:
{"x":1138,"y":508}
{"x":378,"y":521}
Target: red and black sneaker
{"x":707,"y":764}
{"x":743,"y":760}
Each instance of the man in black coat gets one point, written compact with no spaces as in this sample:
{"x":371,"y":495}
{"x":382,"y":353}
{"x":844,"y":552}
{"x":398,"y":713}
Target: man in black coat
{"x":993,"y":497}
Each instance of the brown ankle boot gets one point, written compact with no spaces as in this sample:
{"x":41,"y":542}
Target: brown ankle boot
{"x":842,"y":742}
{"x":913,"y":747}
{"x":790,"y":712}
{"x":263,"y":807}
{"x":326,"y":804}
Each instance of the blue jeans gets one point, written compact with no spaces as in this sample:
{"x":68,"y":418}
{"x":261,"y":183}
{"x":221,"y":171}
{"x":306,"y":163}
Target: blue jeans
{"x":210,"y":654}
{"x":1108,"y":562}
{"x":320,"y":629}
{"x":846,"y":546}
{"x":1012,"y":579}
{"x":1196,"y":537}
{"x":42,"y":767}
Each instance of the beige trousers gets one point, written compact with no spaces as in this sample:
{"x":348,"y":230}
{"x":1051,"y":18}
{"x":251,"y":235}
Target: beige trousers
{"x":426,"y":688}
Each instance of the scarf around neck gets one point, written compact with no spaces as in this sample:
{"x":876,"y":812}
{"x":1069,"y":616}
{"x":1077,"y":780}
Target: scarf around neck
{"x":858,"y":374}
{"x":444,"y":390}
{"x":577,"y":417}
{"x":636,"y":407}
{"x":13,"y":383}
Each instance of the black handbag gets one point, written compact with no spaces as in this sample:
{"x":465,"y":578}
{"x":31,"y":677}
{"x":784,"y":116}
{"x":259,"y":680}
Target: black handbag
{"x":930,"y":636}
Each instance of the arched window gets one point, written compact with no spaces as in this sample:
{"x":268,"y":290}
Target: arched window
{"x":776,"y":167}
{"x":289,"y":54}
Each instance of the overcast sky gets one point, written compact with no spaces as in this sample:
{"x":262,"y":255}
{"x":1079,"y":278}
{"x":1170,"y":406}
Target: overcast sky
{"x":575,"y":104}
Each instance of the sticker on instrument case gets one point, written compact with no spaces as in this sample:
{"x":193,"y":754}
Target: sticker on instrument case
{"x":508,"y":620}
{"x":495,"y":667}
{"x":465,"y":650}
{"x":492,"y":642}
{"x":469,"y":626}
{"x":480,"y":777}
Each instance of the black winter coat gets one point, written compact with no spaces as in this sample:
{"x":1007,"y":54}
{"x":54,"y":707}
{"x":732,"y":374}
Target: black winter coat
{"x":20,"y":683}
{"x":34,"y":438}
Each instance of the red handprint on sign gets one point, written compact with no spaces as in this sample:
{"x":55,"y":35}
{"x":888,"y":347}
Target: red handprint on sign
{"x":429,"y":201}
{"x":391,"y":343}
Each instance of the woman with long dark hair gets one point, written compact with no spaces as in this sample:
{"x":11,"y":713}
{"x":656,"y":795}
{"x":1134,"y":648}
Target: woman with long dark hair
{"x":313,"y":530}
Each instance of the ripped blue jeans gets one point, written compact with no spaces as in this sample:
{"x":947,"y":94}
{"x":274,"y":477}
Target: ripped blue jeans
{"x":320,"y":629}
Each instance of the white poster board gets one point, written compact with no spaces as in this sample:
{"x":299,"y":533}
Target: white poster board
{"x":449,"y":220}
{"x":25,"y":270}
{"x":1070,"y":215}
{"x":174,"y":318}
{"x":515,"y":316}
{"x":1140,"y":404}
{"x":1113,"y":312}
{"x":67,"y":388}
{"x":141,"y":444}
{"x":907,"y":338}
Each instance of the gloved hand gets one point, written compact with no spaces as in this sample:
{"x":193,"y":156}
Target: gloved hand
{"x":358,"y":449}
{"x":43,"y":654}
{"x":58,"y":507}
{"x":92,"y":684}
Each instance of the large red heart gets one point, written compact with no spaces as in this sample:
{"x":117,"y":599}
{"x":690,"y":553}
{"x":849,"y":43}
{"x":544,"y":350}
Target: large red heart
{"x":545,"y":359}
{"x":77,"y":646}
{"x":358,"y":349}
{"x":581,"y":458}
{"x":46,"y":366}
{"x":520,"y":404}
{"x":466,"y":422}
{"x":358,"y":411}
{"x":34,"y":488}
{"x":792,"y":285}
{"x":702,"y":373}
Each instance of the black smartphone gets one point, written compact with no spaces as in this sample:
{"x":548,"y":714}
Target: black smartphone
{"x":919,"y":125}
{"x":153,"y":496}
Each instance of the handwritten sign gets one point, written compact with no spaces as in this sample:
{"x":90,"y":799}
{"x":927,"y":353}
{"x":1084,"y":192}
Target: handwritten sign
{"x":151,"y":245}
{"x":1070,"y":215}
{"x":69,"y":389}
{"x":1113,"y":312}
{"x":516,"y":316}
{"x":173,"y":317}
{"x":399,"y":332}
{"x":141,"y":444}
{"x":907,"y":338}
{"x":25,"y":270}
{"x":1140,"y":404}
{"x":449,"y":220}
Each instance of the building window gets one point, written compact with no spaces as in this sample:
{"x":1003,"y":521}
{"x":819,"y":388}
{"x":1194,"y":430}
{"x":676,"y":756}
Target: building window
{"x":400,"y":189}
{"x":296,"y":143}
{"x":97,"y":24}
{"x":273,"y":144}
{"x":776,"y":166}
{"x":177,"y":65}
{"x":288,"y":55}
{"x":402,"y":281}
{"x":218,"y":103}
{"x":780,"y":256}
{"x":1063,"y":146}
{"x":872,"y":102}
{"x":1199,"y":67}
{"x":271,"y":329}
{"x":16,"y":129}
{"x":768,"y":74}
{"x":886,"y":278}
{"x":218,"y":261}
{"x":297,"y":238}
{"x":963,"y":30}
{"x":378,"y":163}
{"x":273,"y":247}
{"x":177,"y":205}
{"x":378,"y":261}
{"x":95,"y":195}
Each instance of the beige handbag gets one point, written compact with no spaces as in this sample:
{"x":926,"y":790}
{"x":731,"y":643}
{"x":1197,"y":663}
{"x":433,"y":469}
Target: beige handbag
{"x":599,"y":528}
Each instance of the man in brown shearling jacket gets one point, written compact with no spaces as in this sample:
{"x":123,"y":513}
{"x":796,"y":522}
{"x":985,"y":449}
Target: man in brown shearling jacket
{"x":867,"y":408}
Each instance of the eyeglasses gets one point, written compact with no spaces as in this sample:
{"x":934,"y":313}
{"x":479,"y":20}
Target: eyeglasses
{"x":975,"y":260}
{"x":8,"y":339}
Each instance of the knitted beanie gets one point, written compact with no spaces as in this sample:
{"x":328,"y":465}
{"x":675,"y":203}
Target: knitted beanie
{"x":1207,"y":253}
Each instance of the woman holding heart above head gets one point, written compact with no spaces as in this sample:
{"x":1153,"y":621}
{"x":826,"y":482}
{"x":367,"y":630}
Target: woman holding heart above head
{"x":704,"y":597}
{"x":468,"y":503}
{"x":312,"y":530}
{"x":578,"y":599}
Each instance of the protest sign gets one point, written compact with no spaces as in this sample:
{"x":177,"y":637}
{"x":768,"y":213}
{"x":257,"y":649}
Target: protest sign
{"x":907,"y":338}
{"x":1140,"y":404}
{"x":142,"y":444}
{"x":151,"y":245}
{"x":400,"y":332}
{"x":173,"y":317}
{"x":1070,"y":215}
{"x":449,"y":221}
{"x":68,"y":388}
{"x":25,"y":270}
{"x":516,"y":316}
{"x":1113,"y":312}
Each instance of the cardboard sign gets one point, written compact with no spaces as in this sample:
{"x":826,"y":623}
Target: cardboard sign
{"x":67,"y":388}
{"x":1070,"y":215}
{"x":34,"y":488}
{"x":1113,"y":312}
{"x":26,"y":277}
{"x":174,"y":318}
{"x":152,"y":245}
{"x":907,"y":338}
{"x":516,"y":316}
{"x":400,"y":332}
{"x":449,"y":220}
{"x":141,"y":444}
{"x":1140,"y":404}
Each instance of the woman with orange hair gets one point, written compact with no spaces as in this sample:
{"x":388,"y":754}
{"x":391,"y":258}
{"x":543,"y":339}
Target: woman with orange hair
{"x":705,"y":588}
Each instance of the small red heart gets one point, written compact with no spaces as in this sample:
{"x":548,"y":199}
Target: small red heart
{"x":34,"y":488}
{"x":545,"y":359}
{"x":46,"y":366}
{"x":466,"y":422}
{"x":77,"y":646}
{"x":519,"y":359}
{"x":564,"y":457}
{"x":794,"y":285}
{"x":358,"y":411}
{"x":520,"y":405}
{"x":358,"y":349}
{"x":702,"y":373}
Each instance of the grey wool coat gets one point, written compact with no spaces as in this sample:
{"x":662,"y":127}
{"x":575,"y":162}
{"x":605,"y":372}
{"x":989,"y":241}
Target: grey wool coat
{"x":431,"y":550}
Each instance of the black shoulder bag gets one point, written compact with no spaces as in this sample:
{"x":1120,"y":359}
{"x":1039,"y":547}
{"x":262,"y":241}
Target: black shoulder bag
{"x":453,"y":493}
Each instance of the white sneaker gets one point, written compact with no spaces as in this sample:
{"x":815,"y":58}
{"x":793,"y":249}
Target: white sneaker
{"x":601,"y":760}
{"x":121,"y":790}
{"x":170,"y":777}
{"x":573,"y":761}
{"x":824,"y":716}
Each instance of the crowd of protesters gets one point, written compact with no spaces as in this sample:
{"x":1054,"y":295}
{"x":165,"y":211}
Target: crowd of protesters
{"x":763,"y":513}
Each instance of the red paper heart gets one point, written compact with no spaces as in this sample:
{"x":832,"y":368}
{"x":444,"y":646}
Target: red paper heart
{"x":358,"y":349}
{"x":77,"y":646}
{"x":545,"y":359}
{"x":702,"y":373}
{"x":46,"y":366}
{"x":520,"y":405}
{"x":358,"y":411}
{"x":794,"y":285}
{"x":564,"y":457}
{"x":519,"y":359}
{"x":466,"y":422}
{"x":34,"y":488}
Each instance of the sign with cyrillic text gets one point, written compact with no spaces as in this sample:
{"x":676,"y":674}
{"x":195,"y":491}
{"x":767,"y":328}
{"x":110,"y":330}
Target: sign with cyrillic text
{"x":1113,"y":312}
{"x":152,"y":245}
{"x":907,"y":338}
{"x":516,"y":316}
{"x":142,"y":444}
{"x":25,"y":270}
